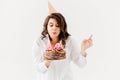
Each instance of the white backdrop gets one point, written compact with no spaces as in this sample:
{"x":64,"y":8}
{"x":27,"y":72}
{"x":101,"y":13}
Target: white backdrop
{"x":21,"y":22}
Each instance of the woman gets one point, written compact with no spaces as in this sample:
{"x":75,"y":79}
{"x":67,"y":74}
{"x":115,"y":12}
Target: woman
{"x":55,"y":31}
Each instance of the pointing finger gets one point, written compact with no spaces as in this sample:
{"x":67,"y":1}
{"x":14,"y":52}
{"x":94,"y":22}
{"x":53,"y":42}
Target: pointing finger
{"x":90,"y":37}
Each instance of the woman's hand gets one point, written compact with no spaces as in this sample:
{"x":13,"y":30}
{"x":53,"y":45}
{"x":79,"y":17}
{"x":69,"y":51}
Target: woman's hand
{"x":87,"y":43}
{"x":47,"y":62}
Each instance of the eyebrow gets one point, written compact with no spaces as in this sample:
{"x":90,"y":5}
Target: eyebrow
{"x":50,"y":23}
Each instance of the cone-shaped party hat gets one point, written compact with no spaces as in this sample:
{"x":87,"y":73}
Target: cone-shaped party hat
{"x":51,"y":8}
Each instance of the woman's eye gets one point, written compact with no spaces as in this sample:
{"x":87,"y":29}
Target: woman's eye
{"x":57,"y":26}
{"x":51,"y":25}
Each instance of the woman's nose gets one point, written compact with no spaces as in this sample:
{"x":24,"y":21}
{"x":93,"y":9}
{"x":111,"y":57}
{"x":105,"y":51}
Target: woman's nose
{"x":54,"y":27}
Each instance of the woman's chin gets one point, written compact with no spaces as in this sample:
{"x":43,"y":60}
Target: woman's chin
{"x":54,"y":36}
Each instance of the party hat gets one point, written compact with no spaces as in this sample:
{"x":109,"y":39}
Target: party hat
{"x":51,"y":8}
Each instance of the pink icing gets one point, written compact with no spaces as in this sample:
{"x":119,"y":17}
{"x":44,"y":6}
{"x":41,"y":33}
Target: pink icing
{"x":57,"y":46}
{"x":49,"y":48}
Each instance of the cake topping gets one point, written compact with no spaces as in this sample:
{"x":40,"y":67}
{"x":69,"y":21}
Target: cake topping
{"x":57,"y":46}
{"x":49,"y":48}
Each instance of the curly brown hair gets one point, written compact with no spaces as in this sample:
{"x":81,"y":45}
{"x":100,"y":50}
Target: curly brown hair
{"x":62,"y":24}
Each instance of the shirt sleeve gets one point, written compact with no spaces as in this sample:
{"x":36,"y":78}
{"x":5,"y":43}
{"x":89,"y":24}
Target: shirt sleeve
{"x":76,"y":56}
{"x":38,"y":57}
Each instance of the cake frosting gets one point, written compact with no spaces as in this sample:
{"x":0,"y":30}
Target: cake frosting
{"x":55,"y":53}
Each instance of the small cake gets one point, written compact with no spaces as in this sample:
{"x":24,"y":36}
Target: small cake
{"x":55,"y":53}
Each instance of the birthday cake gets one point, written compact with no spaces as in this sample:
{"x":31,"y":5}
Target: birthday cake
{"x":55,"y":53}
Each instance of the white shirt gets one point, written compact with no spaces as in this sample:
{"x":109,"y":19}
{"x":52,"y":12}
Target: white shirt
{"x":58,"y":69}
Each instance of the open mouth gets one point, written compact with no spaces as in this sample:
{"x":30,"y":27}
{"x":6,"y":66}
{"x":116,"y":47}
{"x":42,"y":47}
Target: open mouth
{"x":54,"y":32}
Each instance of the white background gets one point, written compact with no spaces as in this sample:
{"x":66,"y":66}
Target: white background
{"x":21,"y":22}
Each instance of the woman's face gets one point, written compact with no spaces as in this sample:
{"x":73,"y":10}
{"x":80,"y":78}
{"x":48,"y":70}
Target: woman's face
{"x":53,"y":28}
